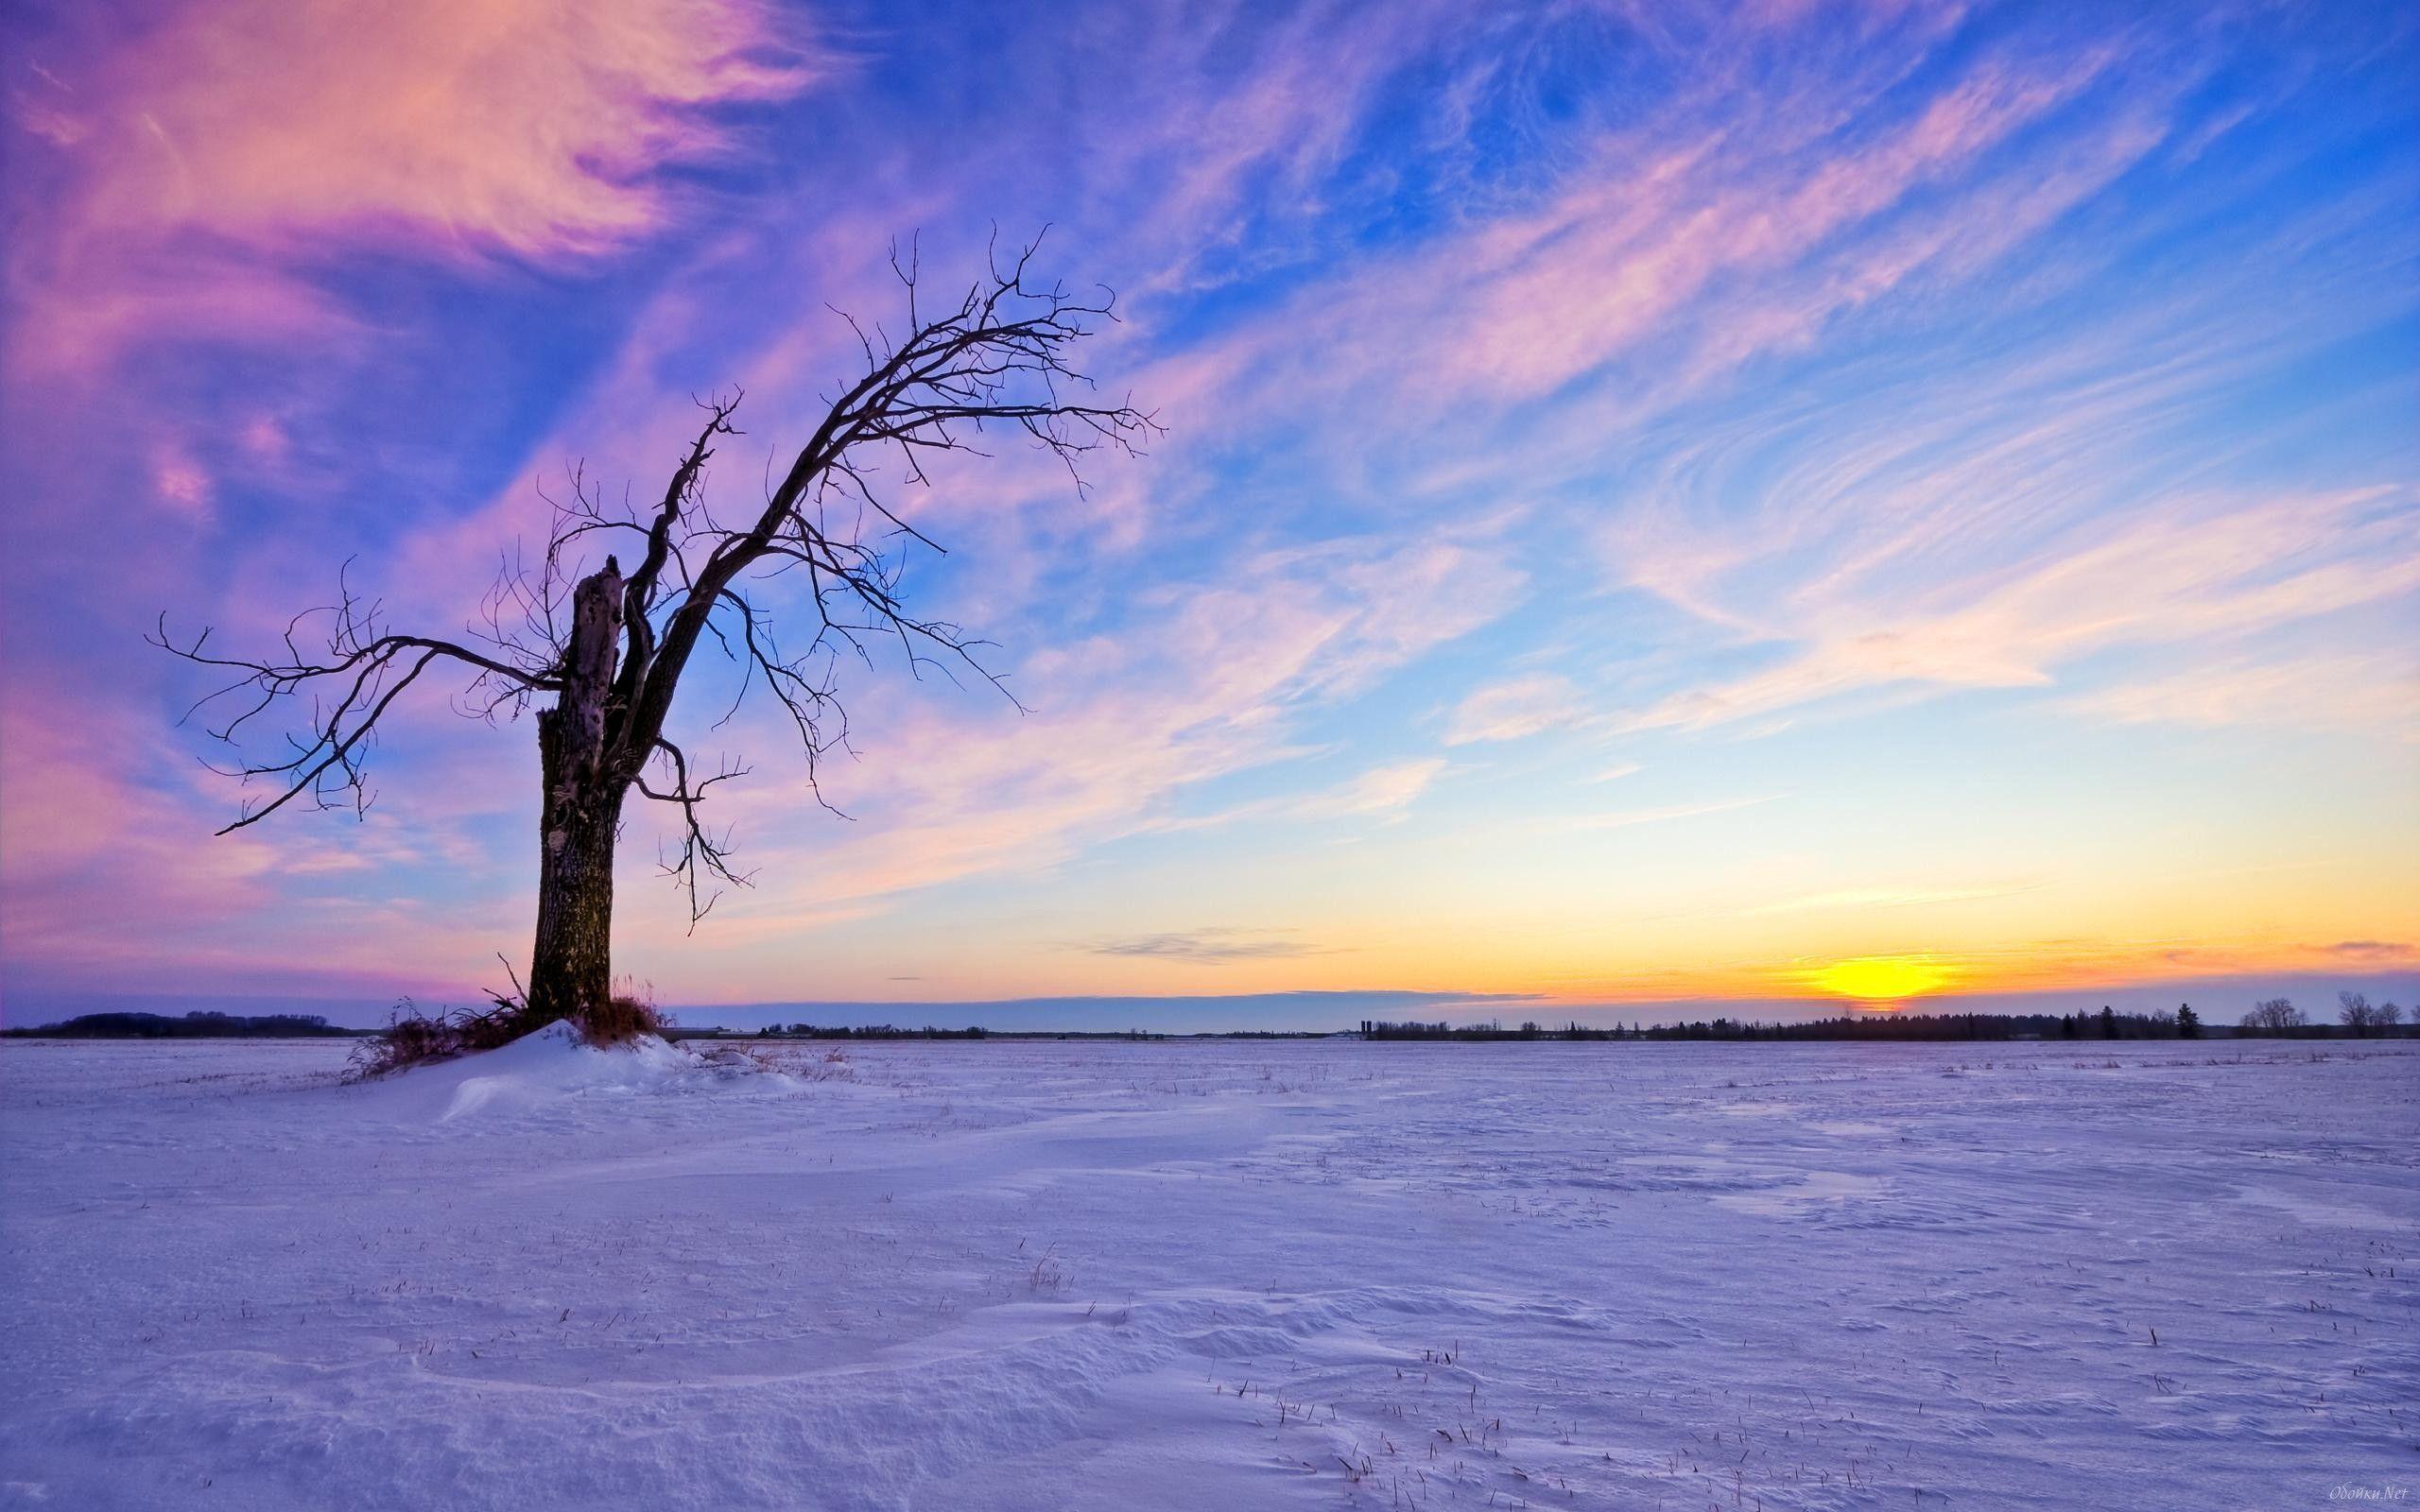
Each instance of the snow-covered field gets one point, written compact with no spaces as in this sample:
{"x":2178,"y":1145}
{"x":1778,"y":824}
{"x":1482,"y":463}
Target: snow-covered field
{"x":1219,"y":1274}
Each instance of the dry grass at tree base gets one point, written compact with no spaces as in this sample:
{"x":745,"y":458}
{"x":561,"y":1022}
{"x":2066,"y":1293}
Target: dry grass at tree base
{"x":414,"y":1037}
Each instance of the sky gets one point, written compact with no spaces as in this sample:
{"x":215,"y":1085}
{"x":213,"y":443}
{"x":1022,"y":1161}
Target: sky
{"x":1664,"y":508}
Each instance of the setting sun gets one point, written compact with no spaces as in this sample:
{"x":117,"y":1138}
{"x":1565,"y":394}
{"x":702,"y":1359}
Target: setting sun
{"x":1883,"y":978}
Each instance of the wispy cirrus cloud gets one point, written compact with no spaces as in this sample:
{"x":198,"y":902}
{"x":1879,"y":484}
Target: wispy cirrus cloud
{"x":1516,"y":707}
{"x":2197,"y":569}
{"x":1385,"y":794}
{"x":1382,"y":792}
{"x":1698,"y":242}
{"x":2379,"y":950}
{"x":2371,"y":692}
{"x":1208,"y":947}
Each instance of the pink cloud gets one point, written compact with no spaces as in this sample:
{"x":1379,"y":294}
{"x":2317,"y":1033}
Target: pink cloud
{"x":180,"y":484}
{"x":2373,"y":692}
{"x":1514,"y":709}
{"x":521,"y":125}
{"x":1385,"y":792}
{"x":454,"y":128}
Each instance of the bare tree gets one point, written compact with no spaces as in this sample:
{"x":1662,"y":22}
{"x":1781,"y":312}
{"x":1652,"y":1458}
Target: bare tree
{"x":607,"y":649}
{"x":2273,"y":1016}
{"x":2354,"y":1012}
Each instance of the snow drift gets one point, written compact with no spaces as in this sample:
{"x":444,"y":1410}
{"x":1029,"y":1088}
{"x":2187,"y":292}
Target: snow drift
{"x":556,"y":1063}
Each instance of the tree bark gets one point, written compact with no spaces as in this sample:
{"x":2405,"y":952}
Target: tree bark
{"x":571,"y":966}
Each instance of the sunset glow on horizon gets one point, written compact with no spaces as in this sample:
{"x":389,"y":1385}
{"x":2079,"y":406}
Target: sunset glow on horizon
{"x":1884,"y":980}
{"x":1734,"y":509}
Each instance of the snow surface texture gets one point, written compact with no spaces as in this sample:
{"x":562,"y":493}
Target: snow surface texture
{"x":1226,"y":1275}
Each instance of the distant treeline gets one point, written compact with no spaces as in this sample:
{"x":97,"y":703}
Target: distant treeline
{"x":192,"y":1026}
{"x":863,"y":1031}
{"x":2106,"y":1024}
{"x":885,"y":1031}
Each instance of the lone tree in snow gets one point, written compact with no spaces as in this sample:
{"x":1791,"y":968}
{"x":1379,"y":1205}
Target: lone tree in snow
{"x":605,"y":650}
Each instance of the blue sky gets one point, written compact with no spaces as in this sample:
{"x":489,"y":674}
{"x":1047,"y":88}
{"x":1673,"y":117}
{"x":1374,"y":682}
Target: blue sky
{"x":1657,"y":499}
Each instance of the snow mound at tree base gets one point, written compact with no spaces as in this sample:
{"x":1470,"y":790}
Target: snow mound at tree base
{"x":556,"y":1063}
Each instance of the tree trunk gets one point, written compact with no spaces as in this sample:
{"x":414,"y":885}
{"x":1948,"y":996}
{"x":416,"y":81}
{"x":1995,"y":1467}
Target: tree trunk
{"x":570,"y":970}
{"x":571,"y":966}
